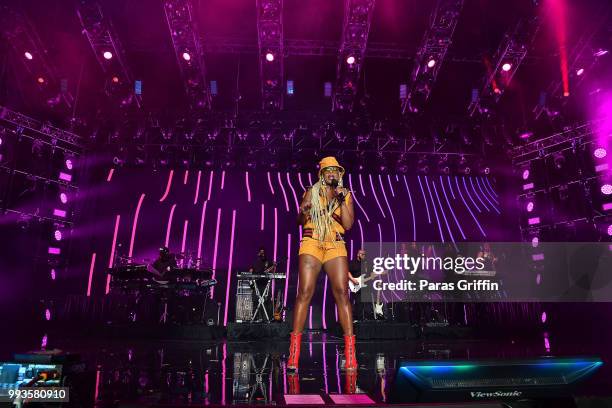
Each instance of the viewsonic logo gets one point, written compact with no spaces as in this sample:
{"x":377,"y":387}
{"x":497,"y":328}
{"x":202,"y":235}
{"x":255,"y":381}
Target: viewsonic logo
{"x":496,"y":394}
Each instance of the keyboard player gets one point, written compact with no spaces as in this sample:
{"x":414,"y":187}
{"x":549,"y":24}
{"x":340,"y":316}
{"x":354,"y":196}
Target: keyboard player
{"x":165,"y":262}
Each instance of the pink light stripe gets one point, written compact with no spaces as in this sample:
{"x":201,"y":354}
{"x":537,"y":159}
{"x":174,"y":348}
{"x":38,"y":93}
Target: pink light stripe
{"x":270,"y":184}
{"x":202,"y":220}
{"x":297,"y":205}
{"x":287,"y":269}
{"x":111,"y":259}
{"x":351,"y":249}
{"x":169,"y":225}
{"x":338,"y":368}
{"x":374,"y":194}
{"x":91,"y":271}
{"x":357,"y":201}
{"x":533,"y":221}
{"x":382,"y":187}
{"x":450,"y":207}
{"x":210,"y":183}
{"x":469,"y":195}
{"x":324,"y":308}
{"x":222,"y":179}
{"x":488,"y":190}
{"x":304,"y":399}
{"x":486,"y":197}
{"x":478,"y":195}
{"x":411,"y":209}
{"x":186,"y":177}
{"x":310,"y":179}
{"x":380,"y":254}
{"x":424,"y":199}
{"x":97,"y":388}
{"x":468,"y":207}
{"x":248,"y":187}
{"x":65,"y":176}
{"x":351,"y":399}
{"x":433,"y":204}
{"x":110,"y":174}
{"x":197,"y":191}
{"x":54,"y":251}
{"x":168,"y":185}
{"x":275,"y":247}
{"x":360,"y":232}
{"x":59,"y":213}
{"x":390,"y":185}
{"x":214,"y":263}
{"x":223,"y":372}
{"x":450,"y":187}
{"x":261,"y":224}
{"x":134,"y":225}
{"x":283,"y":191}
{"x":185,"y":225}
{"x":229,"y":268}
{"x":363,"y":191}
{"x":527,"y":186}
{"x":301,"y":183}
{"x":601,"y":167}
{"x":450,"y":232}
{"x":607,"y":206}
{"x":323,"y":344}
{"x":491,"y":187}
{"x":310,"y":318}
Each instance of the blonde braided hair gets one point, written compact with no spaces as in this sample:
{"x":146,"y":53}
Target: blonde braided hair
{"x":321,"y":213}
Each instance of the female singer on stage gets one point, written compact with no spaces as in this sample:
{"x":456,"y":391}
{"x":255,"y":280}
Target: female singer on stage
{"x":326,"y":213}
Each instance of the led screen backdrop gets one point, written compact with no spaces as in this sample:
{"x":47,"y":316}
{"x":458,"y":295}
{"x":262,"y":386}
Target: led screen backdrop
{"x":223,"y":217}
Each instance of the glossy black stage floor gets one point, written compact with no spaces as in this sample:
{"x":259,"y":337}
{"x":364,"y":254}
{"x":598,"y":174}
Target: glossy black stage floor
{"x":147,"y":372}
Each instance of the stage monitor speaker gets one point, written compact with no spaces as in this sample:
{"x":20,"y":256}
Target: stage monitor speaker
{"x":490,"y":380}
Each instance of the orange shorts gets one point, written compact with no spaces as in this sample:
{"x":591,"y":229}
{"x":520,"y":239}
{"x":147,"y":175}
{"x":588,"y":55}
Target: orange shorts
{"x":323,"y":251}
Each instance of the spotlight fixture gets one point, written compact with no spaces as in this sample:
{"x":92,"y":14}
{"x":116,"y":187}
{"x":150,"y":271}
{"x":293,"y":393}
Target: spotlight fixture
{"x":530,"y":206}
{"x":606,"y":189}
{"x":431,"y":63}
{"x":580,"y":71}
{"x":69,"y":164}
{"x":610,"y":230}
{"x":63,"y":198}
{"x":28,"y":55}
{"x":107,"y":55}
{"x":600,"y":153}
{"x":600,"y":52}
{"x":58,"y":235}
{"x":269,"y":57}
{"x":525,"y":174}
{"x":506,"y":67}
{"x":350,"y":60}
{"x":115,"y":79}
{"x":41,"y":80}
{"x":186,"y":56}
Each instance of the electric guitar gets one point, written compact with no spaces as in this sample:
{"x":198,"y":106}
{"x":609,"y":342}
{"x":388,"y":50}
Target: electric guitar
{"x":362,"y":280}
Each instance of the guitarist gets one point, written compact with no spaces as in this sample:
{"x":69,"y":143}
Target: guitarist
{"x":355,"y":269}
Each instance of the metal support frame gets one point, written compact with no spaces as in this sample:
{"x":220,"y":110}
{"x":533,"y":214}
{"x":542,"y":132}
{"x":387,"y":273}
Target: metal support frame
{"x":270,"y":42}
{"x":434,"y":46}
{"x":355,"y":30}
{"x":189,"y":51}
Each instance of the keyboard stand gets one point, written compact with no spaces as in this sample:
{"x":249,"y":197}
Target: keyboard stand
{"x":261,"y":298}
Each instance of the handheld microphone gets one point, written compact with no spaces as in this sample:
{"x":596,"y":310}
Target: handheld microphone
{"x":333,"y":183}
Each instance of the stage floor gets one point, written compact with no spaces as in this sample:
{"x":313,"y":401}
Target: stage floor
{"x":221,"y":372}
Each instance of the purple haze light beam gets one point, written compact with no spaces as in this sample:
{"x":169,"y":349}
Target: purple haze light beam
{"x":357,"y":201}
{"x":270,"y":184}
{"x":468,"y":207}
{"x":214,"y":263}
{"x":134,"y":225}
{"x":202,"y":220}
{"x":184,"y":241}
{"x":91,"y":271}
{"x":229,"y":268}
{"x":478,"y":195}
{"x":168,"y":185}
{"x":469,"y":195}
{"x":248,"y":187}
{"x":111,"y":259}
{"x":374,"y":193}
{"x":169,"y":226}
{"x":390,"y":185}
{"x":297,"y":205}
{"x":197,"y":191}
{"x":451,"y":208}
{"x":435,"y":210}
{"x":222,"y":179}
{"x":424,"y":199}
{"x":411,"y":209}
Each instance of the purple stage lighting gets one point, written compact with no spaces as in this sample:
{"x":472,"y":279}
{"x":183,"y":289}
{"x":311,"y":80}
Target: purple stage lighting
{"x":606,"y":189}
{"x":47,"y":314}
{"x":58,"y":235}
{"x":53,"y":274}
{"x":63,"y":198}
{"x":269,"y":57}
{"x":530,"y":206}
{"x":0,"y":141}
{"x":65,"y":176}
{"x":350,"y":60}
{"x":54,"y":251}
{"x":610,"y":230}
{"x":507,"y":67}
{"x":600,"y":53}
{"x":69,"y":164}
{"x":580,"y":71}
{"x":535,"y":241}
{"x":186,"y":56}
{"x":525,"y":174}
{"x":543,"y":317}
{"x":28,"y":55}
{"x":107,"y":55}
{"x":431,"y":63}
{"x":600,"y":153}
